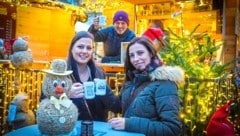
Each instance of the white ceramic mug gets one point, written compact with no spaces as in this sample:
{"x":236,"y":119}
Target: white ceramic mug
{"x":89,"y":89}
{"x":100,"y":86}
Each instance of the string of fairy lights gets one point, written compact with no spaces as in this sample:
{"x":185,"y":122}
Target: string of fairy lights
{"x":14,"y":81}
{"x":200,"y":97}
{"x":88,"y":5}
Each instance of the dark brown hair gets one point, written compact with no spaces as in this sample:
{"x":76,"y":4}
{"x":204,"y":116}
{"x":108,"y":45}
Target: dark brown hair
{"x":145,"y":42}
{"x":157,"y":23}
{"x":71,"y":63}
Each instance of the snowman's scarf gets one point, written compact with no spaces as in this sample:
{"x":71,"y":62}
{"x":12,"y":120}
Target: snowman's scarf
{"x":63,"y":100}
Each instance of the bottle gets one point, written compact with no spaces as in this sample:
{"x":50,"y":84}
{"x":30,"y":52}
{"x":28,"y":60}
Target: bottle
{"x":87,"y":128}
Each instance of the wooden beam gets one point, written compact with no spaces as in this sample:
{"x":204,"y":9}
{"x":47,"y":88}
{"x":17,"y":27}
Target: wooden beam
{"x":149,"y":1}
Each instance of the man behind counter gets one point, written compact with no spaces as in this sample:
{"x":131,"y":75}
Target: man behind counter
{"x":112,"y":36}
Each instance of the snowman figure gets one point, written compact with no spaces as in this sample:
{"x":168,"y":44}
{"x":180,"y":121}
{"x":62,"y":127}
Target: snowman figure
{"x":56,"y":114}
{"x":21,"y":57}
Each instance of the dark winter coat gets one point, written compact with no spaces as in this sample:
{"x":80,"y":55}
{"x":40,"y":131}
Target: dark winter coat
{"x":112,"y":41}
{"x":100,"y":105}
{"x":155,"y":110}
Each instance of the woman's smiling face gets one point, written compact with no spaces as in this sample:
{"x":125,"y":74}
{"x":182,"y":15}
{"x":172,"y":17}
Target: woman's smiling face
{"x":82,"y":50}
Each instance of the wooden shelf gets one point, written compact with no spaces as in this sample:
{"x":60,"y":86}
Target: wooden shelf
{"x":186,"y":15}
{"x":209,"y":21}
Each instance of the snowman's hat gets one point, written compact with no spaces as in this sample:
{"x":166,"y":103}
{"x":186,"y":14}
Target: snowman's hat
{"x":58,"y":67}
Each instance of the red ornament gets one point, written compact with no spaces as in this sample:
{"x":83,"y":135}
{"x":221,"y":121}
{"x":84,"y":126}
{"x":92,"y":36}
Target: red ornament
{"x":219,"y":125}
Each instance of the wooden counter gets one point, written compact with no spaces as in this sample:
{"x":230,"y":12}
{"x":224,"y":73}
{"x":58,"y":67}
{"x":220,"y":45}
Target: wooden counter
{"x":112,"y":67}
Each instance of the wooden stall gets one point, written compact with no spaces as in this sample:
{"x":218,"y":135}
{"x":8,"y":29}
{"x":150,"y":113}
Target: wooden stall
{"x":49,"y":31}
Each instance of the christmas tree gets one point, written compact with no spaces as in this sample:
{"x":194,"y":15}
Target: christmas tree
{"x":208,"y":81}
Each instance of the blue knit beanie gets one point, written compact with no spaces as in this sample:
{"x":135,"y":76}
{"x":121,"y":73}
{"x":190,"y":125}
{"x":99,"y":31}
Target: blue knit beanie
{"x":121,"y":16}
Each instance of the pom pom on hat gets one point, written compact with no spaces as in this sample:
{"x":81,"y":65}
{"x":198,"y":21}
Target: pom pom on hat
{"x":155,"y":34}
{"x":121,"y":16}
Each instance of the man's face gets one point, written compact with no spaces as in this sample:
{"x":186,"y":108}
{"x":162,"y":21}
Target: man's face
{"x":120,"y":26}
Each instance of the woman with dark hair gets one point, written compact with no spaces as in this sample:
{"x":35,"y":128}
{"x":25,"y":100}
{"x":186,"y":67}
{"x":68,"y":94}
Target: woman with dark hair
{"x":80,"y":61}
{"x":149,"y":96}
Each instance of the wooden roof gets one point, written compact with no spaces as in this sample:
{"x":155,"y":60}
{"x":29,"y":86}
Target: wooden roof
{"x":149,"y":1}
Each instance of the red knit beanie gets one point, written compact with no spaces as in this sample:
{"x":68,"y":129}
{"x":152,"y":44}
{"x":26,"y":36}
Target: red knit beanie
{"x":155,"y":34}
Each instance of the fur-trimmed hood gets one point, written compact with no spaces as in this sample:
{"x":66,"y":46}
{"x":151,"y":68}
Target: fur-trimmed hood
{"x":172,"y":73}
